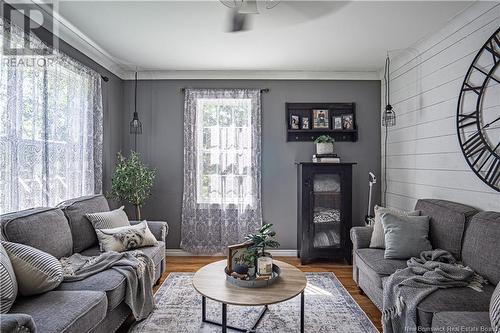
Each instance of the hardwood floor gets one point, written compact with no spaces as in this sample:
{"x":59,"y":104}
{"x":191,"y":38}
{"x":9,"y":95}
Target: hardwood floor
{"x":341,"y":270}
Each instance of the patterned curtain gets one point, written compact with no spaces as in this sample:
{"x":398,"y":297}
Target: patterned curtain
{"x":222,"y":168}
{"x":51,"y":127}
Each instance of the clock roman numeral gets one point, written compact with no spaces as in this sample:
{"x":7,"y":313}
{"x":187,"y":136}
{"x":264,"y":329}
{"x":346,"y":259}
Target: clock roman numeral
{"x":493,"y":172}
{"x":472,"y":144}
{"x":468,"y":87}
{"x":491,"y":49}
{"x":486,"y":73}
{"x":467,"y":119}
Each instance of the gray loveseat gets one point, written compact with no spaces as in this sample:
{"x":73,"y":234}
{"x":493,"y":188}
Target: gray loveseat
{"x":95,"y":304}
{"x":470,"y":236}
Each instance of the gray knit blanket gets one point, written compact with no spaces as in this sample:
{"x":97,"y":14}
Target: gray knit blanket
{"x":406,"y":288}
{"x":137,"y":268}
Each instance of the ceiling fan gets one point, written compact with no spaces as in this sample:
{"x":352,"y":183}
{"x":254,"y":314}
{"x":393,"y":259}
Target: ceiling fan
{"x":240,"y":9}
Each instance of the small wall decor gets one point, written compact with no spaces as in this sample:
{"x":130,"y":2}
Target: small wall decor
{"x":294,"y":122}
{"x":305,"y":122}
{"x":347,"y":122}
{"x":321,"y":119}
{"x":235,"y":254}
{"x":337,"y":123}
{"x":318,"y":119}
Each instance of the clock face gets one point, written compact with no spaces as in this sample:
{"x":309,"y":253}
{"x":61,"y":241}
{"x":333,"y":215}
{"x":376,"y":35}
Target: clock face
{"x":478,"y":114}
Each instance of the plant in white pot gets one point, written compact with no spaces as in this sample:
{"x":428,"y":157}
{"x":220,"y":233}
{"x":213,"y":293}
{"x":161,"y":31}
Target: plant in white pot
{"x":324,"y":144}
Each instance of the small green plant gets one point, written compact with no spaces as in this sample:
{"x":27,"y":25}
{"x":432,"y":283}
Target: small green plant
{"x":247,"y":258}
{"x":265,"y":238}
{"x":324,"y":139}
{"x":132,"y":181}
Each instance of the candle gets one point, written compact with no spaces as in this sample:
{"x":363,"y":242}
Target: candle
{"x":265,"y":265}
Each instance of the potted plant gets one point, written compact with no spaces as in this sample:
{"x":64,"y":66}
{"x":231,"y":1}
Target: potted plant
{"x":324,"y":144}
{"x":245,"y":263}
{"x":265,"y":238}
{"x":132,"y":181}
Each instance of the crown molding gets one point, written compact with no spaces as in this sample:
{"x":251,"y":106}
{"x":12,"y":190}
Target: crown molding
{"x":253,"y":75}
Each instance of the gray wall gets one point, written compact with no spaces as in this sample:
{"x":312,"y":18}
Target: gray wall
{"x":160,"y":106}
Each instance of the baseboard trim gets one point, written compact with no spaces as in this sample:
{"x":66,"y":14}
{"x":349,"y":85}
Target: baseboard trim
{"x":274,"y":253}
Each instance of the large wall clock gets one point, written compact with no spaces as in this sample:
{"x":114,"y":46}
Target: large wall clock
{"x":478,"y":113}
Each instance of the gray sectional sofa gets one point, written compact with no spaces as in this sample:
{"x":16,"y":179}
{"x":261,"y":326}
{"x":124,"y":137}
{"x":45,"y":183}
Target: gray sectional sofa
{"x":95,"y":304}
{"x":471,"y":236}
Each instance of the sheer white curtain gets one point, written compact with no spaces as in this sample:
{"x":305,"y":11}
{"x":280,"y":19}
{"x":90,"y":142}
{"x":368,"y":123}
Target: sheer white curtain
{"x":51,"y":127}
{"x":222,"y":168}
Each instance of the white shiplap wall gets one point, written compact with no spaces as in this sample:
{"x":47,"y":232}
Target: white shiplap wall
{"x":424,"y":159}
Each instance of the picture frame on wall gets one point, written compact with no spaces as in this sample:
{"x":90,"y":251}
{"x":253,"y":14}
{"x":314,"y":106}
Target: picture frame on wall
{"x":348,"y":121}
{"x":337,"y":123}
{"x":294,"y":122}
{"x":321,"y":119}
{"x":305,"y":123}
{"x":234,"y":252}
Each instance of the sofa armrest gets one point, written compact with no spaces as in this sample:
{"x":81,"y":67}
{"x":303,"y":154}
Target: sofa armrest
{"x":361,"y":237}
{"x":16,"y":322}
{"x":159,"y":229}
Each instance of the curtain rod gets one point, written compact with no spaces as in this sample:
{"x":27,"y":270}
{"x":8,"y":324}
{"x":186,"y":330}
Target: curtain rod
{"x":264,"y":90}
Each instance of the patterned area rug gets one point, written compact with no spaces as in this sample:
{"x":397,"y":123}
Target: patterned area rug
{"x":328,"y":308}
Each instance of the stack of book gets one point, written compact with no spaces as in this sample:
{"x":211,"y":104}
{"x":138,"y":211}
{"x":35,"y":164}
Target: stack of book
{"x":326,"y":158}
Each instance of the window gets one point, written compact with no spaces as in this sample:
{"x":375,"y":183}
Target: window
{"x":51,"y":129}
{"x":224,"y":145}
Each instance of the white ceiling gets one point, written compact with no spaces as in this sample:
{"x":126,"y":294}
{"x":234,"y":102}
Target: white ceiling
{"x":316,"y":36}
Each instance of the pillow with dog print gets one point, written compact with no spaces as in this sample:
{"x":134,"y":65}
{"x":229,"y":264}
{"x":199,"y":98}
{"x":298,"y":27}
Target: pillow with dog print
{"x":125,"y":238}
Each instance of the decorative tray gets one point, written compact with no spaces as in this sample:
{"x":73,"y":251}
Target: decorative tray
{"x":254,"y":283}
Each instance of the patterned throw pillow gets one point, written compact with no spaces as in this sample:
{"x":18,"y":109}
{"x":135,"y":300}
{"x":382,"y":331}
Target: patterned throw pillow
{"x":36,"y":271}
{"x":126,"y":238}
{"x":378,"y":235}
{"x":8,"y":291}
{"x":495,"y":310}
{"x":107,"y":220}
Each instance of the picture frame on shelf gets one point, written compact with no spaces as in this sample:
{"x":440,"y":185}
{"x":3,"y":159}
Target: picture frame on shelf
{"x":321,"y":119}
{"x":348,"y":121}
{"x":337,"y":123}
{"x":234,"y":252}
{"x":305,"y":123}
{"x":294,"y":121}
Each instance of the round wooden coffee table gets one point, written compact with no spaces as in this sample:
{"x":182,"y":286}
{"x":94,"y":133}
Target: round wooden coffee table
{"x":210,"y":281}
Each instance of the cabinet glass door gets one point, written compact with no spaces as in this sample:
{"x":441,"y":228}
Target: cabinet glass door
{"x":326,"y":209}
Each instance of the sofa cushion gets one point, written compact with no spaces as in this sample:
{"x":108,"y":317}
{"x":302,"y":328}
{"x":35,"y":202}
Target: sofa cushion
{"x":107,"y":220}
{"x":75,"y":209}
{"x":461,"y":322}
{"x":43,"y":228}
{"x":453,"y":299}
{"x":372,"y":262}
{"x":8,"y":290}
{"x":482,"y":246}
{"x":36,"y":271}
{"x":447,"y":223}
{"x":64,"y":311}
{"x":495,"y":309}
{"x":109,"y":281}
{"x":378,"y":236}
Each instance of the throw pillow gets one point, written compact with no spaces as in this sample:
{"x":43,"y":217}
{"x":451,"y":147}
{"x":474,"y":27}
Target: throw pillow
{"x":36,"y":271}
{"x":405,"y":236}
{"x":495,"y":309}
{"x":126,"y":238}
{"x":107,"y":220}
{"x":378,"y":237}
{"x":8,"y":291}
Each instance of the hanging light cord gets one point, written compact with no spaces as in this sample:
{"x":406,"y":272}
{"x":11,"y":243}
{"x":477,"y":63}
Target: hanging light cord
{"x":135,"y":111}
{"x":387,"y":83}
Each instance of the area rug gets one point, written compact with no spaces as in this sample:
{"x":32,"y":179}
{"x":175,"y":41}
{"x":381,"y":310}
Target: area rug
{"x":328,"y":308}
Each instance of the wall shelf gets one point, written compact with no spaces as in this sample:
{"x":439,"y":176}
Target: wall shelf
{"x":305,"y":110}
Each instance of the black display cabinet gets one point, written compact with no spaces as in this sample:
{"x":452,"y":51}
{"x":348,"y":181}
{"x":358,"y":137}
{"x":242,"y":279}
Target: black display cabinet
{"x":324,"y":216}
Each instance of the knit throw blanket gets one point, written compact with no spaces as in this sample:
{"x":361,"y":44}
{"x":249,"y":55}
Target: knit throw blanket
{"x":137,"y":268}
{"x":406,"y":288}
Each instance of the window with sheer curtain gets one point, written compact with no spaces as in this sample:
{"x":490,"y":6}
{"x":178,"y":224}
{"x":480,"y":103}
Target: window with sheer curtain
{"x":222,"y":168}
{"x":51,"y":129}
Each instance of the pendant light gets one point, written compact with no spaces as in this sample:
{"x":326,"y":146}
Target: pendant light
{"x":135,"y":124}
{"x":389,"y":116}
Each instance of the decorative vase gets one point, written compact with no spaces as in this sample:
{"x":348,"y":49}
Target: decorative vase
{"x":324,"y":148}
{"x":265,"y":266}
